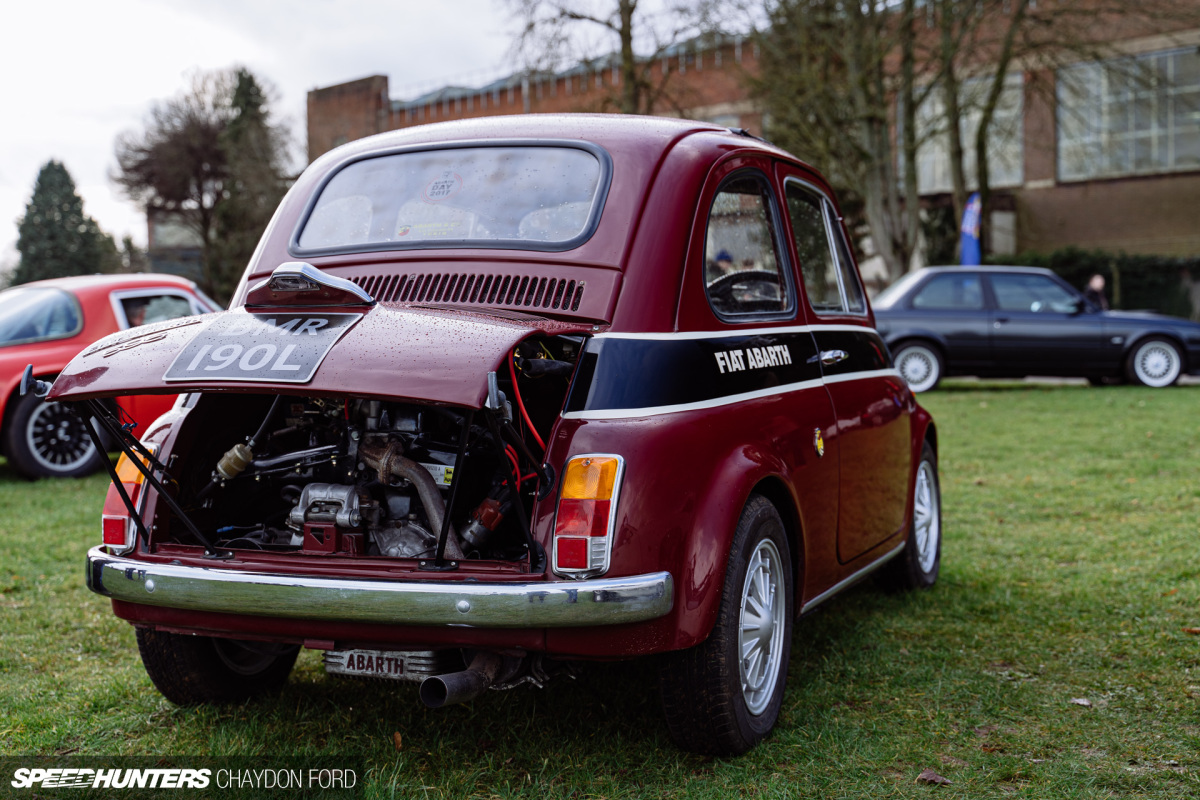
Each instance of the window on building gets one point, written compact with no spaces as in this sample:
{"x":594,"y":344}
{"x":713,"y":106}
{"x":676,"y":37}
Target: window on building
{"x":1129,"y":116}
{"x":1006,"y":152}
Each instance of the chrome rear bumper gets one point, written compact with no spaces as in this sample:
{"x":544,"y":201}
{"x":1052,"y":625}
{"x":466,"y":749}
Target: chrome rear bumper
{"x":536,"y":604}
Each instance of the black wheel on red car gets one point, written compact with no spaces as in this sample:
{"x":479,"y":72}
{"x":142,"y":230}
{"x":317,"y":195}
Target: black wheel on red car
{"x":47,"y":440}
{"x":920,"y":364}
{"x":193,"y":670}
{"x":723,"y":696}
{"x":1155,"y":362}
{"x":918,"y":565}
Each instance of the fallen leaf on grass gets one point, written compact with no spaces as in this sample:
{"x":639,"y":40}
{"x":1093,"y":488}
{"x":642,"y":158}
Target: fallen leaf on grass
{"x":984,"y":730}
{"x":929,"y":776}
{"x":397,"y":740}
{"x":1168,"y":594}
{"x":951,"y":761}
{"x":1080,"y":701}
{"x":1193,"y":631}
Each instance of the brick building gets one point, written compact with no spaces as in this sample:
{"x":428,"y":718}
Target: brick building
{"x":1083,"y":154}
{"x":702,"y":83}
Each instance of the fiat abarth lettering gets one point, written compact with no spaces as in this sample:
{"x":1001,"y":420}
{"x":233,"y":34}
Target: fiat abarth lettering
{"x":500,"y":394}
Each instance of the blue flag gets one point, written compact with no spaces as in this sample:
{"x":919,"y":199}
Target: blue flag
{"x":972,"y":253}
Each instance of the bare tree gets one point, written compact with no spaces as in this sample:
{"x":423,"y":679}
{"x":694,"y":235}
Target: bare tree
{"x":828,"y":84}
{"x":555,"y":34}
{"x":210,"y":158}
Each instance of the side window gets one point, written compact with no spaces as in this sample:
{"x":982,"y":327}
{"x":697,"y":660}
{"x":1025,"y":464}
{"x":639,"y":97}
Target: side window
{"x":951,"y":292}
{"x":154,"y":308}
{"x":855,"y":300}
{"x":1035,"y":293}
{"x":829,"y":278}
{"x":742,"y":270}
{"x":812,"y":248}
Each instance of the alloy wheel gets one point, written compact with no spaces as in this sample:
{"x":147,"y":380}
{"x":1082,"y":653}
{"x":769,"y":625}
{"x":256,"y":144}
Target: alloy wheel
{"x":926,"y":516}
{"x":57,"y":438}
{"x":762,"y":626}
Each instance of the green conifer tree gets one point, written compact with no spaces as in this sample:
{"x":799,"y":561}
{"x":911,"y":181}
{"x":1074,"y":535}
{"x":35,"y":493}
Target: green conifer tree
{"x":55,"y":237}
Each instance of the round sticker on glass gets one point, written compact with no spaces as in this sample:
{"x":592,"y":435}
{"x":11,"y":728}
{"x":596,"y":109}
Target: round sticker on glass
{"x":443,"y":188}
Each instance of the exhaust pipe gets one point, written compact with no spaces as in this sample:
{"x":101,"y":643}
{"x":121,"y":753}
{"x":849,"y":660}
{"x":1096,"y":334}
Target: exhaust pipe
{"x":459,"y":687}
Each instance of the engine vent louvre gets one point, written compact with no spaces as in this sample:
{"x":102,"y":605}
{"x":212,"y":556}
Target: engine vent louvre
{"x":522,"y":291}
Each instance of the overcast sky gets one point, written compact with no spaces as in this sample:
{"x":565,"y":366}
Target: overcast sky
{"x":78,"y":73}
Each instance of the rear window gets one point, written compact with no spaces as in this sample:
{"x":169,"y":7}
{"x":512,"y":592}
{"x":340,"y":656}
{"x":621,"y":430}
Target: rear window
{"x":526,"y":197}
{"x":36,"y":314}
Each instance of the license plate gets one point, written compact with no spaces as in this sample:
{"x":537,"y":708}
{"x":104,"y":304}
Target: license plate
{"x":409,"y":665}
{"x":260,"y":348}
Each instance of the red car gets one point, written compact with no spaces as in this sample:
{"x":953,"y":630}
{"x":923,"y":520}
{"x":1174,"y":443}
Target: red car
{"x":499,"y":393}
{"x":47,"y":323}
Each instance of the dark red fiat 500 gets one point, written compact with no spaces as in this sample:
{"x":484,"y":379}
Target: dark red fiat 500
{"x":500,"y":393}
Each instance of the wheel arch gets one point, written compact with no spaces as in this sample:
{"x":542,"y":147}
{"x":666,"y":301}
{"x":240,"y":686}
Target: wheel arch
{"x":1138,"y":339}
{"x":931,"y":436}
{"x":705,"y":555}
{"x":776,"y":490}
{"x":921,"y":337}
{"x":11,"y":399}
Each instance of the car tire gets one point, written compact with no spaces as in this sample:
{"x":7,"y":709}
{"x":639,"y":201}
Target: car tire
{"x":47,"y":440}
{"x":717,"y":701}
{"x":920,"y":365}
{"x":196,"y":670}
{"x":918,"y":565}
{"x":1155,"y":362}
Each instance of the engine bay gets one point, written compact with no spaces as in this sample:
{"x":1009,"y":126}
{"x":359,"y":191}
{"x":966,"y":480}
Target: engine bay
{"x":366,"y":477}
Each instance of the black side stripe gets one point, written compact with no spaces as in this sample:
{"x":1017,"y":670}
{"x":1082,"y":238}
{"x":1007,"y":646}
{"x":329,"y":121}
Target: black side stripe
{"x":617,"y":373}
{"x":865,"y":351}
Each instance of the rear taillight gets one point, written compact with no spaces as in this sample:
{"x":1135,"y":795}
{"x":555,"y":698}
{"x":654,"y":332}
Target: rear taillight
{"x":117,"y":526}
{"x":587,"y":505}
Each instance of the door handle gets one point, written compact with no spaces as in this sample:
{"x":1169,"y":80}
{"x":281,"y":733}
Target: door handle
{"x":999,"y":321}
{"x":831,"y":357}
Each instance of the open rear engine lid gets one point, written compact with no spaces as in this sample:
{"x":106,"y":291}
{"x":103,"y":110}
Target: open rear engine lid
{"x":420,"y":353}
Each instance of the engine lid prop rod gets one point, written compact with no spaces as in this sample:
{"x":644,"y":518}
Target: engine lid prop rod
{"x":147,"y":464}
{"x":439,"y":561}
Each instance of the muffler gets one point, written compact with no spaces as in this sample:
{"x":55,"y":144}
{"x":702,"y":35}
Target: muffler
{"x":459,"y":687}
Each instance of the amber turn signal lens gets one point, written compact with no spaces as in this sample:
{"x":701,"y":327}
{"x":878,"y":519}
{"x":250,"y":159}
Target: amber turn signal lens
{"x":590,"y":478}
{"x":128,"y":471}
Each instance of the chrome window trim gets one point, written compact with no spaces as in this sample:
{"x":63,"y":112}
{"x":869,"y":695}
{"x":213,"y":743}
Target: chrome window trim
{"x":832,"y":224}
{"x":603,"y":186}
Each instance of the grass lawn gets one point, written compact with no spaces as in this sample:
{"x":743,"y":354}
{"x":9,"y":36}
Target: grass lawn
{"x":1069,"y":574}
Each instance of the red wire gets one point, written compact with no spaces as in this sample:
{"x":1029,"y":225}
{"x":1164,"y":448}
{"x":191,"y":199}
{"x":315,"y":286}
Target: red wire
{"x":512,"y":456}
{"x":520,"y":404}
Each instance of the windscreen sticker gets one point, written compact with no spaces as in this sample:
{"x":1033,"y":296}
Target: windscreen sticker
{"x":260,"y":348}
{"x":444,"y":187}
